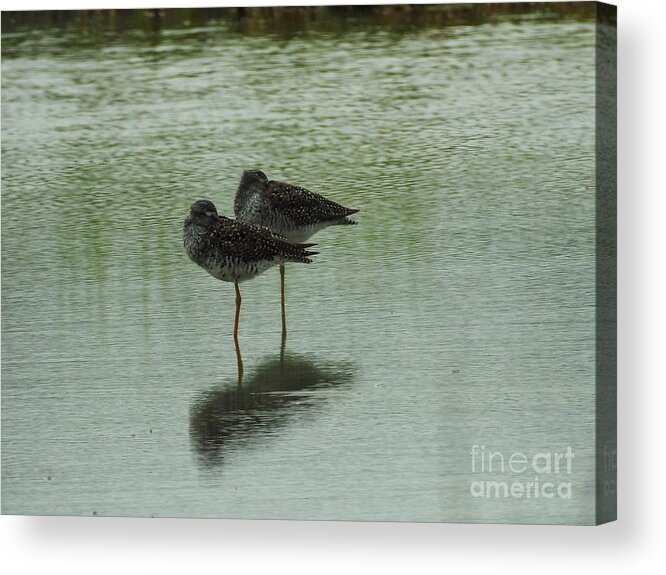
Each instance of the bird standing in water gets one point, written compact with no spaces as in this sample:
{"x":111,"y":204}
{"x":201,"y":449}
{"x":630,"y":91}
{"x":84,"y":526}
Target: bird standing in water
{"x":234,"y":251}
{"x":289,"y":211}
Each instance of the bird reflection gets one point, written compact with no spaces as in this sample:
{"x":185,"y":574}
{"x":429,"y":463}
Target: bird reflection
{"x":277,"y":389}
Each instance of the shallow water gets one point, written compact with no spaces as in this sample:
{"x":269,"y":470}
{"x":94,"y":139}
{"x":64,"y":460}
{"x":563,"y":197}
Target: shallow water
{"x":459,"y":312}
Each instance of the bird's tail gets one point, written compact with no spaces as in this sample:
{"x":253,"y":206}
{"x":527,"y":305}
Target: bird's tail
{"x":345,"y":220}
{"x":300,"y":253}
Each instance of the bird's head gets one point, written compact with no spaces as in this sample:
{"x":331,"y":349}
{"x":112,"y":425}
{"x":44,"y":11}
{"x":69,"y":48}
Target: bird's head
{"x":203,"y":208}
{"x":251,"y":176}
{"x":252,"y":182}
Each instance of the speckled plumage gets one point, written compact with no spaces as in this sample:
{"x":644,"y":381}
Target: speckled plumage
{"x":234,"y":251}
{"x":291,"y":211}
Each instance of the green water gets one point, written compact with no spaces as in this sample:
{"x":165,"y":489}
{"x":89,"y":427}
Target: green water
{"x":459,"y":312}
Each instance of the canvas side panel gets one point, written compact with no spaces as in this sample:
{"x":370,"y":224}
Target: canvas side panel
{"x":606,"y":263}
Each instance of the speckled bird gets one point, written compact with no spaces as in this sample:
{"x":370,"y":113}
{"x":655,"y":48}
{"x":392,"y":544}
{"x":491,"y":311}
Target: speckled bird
{"x":235,"y":251}
{"x":290,"y":211}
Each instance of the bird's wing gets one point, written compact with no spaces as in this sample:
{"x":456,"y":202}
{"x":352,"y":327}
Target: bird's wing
{"x":254,"y":243}
{"x":303,"y":206}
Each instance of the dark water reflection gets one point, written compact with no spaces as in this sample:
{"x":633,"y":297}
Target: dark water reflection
{"x":275,"y":390}
{"x":103,"y":27}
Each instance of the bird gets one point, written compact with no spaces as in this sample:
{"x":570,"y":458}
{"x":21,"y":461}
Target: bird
{"x":235,"y":251}
{"x":290,"y":211}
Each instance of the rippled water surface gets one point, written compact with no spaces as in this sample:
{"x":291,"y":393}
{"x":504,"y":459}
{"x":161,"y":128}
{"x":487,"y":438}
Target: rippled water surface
{"x":459,"y":312}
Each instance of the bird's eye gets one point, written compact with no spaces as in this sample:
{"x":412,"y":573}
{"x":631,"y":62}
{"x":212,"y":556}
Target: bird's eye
{"x":210,"y":214}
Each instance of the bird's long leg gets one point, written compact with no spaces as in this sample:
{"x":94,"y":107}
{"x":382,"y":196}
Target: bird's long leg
{"x":239,"y":360}
{"x":283,"y":345}
{"x":284,"y":313}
